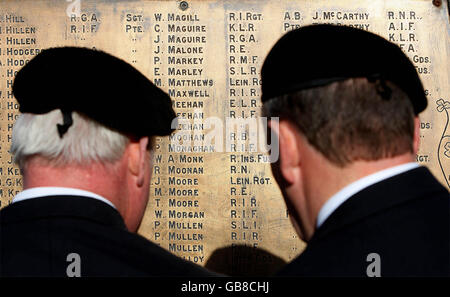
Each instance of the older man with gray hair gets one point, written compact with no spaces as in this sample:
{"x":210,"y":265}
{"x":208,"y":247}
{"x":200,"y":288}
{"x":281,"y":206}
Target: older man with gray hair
{"x":84,"y":146}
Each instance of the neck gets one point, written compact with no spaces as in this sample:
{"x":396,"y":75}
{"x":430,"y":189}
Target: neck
{"x":97,"y":178}
{"x":326,"y":180}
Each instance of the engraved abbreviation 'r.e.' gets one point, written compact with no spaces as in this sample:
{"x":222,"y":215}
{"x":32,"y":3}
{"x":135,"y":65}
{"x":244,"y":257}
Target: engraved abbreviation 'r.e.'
{"x":74,"y":268}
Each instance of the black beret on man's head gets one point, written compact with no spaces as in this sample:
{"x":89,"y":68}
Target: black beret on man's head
{"x":97,"y":85}
{"x":318,"y":55}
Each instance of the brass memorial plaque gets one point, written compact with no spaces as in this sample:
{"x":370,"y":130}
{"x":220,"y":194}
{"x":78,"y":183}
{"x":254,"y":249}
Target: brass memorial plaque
{"x":214,"y":201}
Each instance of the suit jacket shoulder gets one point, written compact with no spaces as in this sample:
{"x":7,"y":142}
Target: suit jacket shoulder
{"x":404,"y":219}
{"x":38,"y":235}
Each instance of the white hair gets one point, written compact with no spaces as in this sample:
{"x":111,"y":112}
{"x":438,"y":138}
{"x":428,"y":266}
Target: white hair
{"x":85,"y":141}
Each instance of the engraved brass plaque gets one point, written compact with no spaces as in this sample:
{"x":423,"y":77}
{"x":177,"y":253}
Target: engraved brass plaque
{"x":218,"y":208}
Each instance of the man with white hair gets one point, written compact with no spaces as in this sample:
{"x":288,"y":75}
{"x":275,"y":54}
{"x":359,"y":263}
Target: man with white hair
{"x":84,"y":146}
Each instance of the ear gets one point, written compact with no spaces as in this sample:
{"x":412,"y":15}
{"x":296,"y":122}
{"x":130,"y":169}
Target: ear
{"x":138,"y":159}
{"x":289,"y":159}
{"x":416,"y":139}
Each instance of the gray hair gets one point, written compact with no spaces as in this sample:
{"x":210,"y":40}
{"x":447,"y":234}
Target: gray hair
{"x":85,"y":141}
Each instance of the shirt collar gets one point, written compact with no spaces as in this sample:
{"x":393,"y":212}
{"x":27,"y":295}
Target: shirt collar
{"x":340,"y":197}
{"x":41,"y":192}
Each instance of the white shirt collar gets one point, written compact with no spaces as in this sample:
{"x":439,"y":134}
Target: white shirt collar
{"x":340,"y":197}
{"x":42,"y":192}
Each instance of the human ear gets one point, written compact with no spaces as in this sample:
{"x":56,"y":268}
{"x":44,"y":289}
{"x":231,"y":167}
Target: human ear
{"x":416,"y":139}
{"x":289,"y":163}
{"x":138,"y":160}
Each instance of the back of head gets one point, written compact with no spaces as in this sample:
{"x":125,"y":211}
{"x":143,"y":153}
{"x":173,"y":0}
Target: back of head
{"x":349,"y":121}
{"x":351,"y":93}
{"x":81,"y":105}
{"x":88,"y":122}
{"x":86,"y":141}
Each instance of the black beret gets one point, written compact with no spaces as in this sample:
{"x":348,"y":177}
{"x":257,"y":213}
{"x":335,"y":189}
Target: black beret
{"x":96,"y":84}
{"x":318,"y":55}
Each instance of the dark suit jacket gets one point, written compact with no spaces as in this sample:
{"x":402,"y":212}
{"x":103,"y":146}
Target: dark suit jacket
{"x":405,"y":219}
{"x":36,"y":235}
